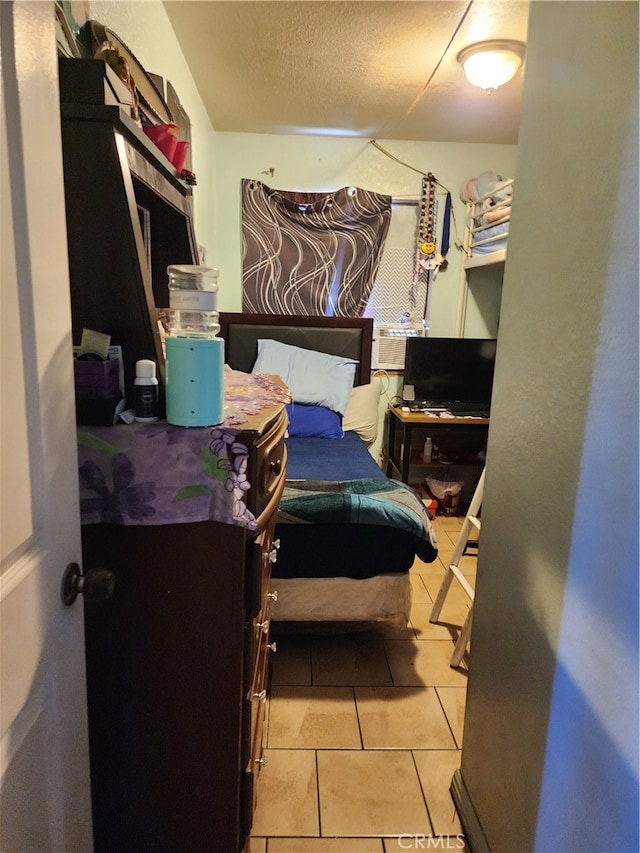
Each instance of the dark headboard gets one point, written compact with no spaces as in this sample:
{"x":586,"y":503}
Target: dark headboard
{"x":343,"y":336}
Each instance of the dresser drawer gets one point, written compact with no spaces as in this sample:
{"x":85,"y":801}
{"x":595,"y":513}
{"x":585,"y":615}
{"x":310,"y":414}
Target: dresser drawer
{"x":263,"y":554}
{"x":270,"y":463}
{"x":265,"y":442}
{"x":258,"y":643}
{"x":258,"y":699}
{"x":263,"y":645}
{"x":257,"y":760}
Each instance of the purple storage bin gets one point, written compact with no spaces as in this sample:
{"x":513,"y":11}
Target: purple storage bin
{"x":97,"y":380}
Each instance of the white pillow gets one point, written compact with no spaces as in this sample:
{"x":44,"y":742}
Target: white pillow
{"x":361,"y":414}
{"x":312,"y":377}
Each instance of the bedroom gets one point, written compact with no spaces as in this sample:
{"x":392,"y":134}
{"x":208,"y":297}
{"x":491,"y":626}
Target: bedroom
{"x":556,"y":515}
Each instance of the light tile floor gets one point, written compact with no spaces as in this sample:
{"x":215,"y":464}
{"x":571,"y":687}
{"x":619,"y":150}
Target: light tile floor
{"x":365,"y":730}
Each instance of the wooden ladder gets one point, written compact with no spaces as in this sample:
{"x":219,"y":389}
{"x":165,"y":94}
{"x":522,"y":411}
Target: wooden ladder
{"x":471,"y":522}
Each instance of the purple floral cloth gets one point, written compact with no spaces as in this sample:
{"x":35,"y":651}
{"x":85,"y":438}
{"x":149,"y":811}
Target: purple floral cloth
{"x":247,"y":393}
{"x":161,"y":474}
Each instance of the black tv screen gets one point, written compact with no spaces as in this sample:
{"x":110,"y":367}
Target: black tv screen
{"x":449,"y":369}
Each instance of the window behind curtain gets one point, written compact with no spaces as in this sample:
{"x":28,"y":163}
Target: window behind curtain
{"x":401,"y":287}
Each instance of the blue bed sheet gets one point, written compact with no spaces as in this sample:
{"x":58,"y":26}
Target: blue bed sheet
{"x":331,"y":459}
{"x":327,"y":535}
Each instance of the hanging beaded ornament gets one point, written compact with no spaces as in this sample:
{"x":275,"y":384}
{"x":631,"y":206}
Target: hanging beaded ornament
{"x":427,"y":221}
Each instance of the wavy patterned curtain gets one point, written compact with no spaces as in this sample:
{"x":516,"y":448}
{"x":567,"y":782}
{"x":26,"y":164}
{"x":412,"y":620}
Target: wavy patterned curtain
{"x":314,"y":254}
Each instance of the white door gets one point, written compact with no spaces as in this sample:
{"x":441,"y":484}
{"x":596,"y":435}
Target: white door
{"x":44,"y":764}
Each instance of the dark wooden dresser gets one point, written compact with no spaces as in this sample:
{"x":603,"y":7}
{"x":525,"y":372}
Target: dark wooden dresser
{"x":176,"y":663}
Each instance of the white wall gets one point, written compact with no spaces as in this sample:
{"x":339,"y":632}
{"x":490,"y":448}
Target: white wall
{"x":313,"y":163}
{"x":323,"y":163}
{"x":550,"y":754}
{"x":145,"y":29}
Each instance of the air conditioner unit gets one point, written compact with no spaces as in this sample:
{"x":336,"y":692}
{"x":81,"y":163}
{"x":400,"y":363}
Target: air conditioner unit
{"x":389,"y":343}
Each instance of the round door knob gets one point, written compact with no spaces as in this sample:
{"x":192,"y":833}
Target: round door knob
{"x":94,"y":584}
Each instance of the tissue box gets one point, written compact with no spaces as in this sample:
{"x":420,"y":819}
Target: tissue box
{"x":98,"y":412}
{"x":97,"y":380}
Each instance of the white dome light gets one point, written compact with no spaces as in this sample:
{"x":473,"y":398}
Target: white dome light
{"x":490,"y":64}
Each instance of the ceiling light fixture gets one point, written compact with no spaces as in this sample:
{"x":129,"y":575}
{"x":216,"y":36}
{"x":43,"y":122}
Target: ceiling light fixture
{"x":489,"y":64}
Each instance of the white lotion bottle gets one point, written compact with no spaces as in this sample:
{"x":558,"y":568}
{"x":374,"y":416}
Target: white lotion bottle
{"x":146,"y":391}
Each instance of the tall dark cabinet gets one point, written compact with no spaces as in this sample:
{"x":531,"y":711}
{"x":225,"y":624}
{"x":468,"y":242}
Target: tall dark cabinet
{"x":128,"y":215}
{"x":177,"y":656}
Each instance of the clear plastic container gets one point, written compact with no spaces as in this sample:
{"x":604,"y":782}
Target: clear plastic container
{"x":193,"y":301}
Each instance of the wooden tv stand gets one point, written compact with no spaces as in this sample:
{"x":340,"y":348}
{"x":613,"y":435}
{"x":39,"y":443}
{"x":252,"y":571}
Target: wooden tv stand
{"x":459,"y":440}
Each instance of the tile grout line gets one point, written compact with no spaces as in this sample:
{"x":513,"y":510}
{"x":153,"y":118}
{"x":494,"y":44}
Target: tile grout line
{"x":355,"y":702}
{"x":318,"y":794}
{"x":422,"y":791}
{"x":353,"y":687}
{"x":446,"y":716}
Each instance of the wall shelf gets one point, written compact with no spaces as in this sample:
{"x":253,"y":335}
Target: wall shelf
{"x":490,"y":259}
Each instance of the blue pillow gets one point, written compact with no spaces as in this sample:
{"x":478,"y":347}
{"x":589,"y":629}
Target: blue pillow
{"x":316,"y":421}
{"x":312,"y":377}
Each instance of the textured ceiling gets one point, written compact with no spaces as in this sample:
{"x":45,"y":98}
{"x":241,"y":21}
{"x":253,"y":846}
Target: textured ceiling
{"x":349,"y":68}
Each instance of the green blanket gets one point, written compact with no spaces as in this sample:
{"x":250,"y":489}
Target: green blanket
{"x":383,"y":502}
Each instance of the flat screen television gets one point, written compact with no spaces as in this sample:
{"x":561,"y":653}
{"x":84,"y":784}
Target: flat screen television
{"x":441,"y":370}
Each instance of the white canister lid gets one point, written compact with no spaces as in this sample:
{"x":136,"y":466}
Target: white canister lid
{"x":189,"y":274}
{"x":145,"y":369}
{"x":193,"y":269}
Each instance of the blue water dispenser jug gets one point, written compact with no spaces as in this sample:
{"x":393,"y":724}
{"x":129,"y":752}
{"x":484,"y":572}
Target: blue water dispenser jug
{"x":194,"y":352}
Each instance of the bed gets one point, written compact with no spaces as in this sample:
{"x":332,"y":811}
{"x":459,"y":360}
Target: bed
{"x":348,"y":534}
{"x":488,"y":198}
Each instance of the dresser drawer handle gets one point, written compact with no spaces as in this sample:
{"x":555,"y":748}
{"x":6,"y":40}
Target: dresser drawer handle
{"x":273,"y":555}
{"x":263,"y":626}
{"x":261,"y":697}
{"x":273,"y":595}
{"x":272,"y":647}
{"x":260,"y":761}
{"x":276,"y":466}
